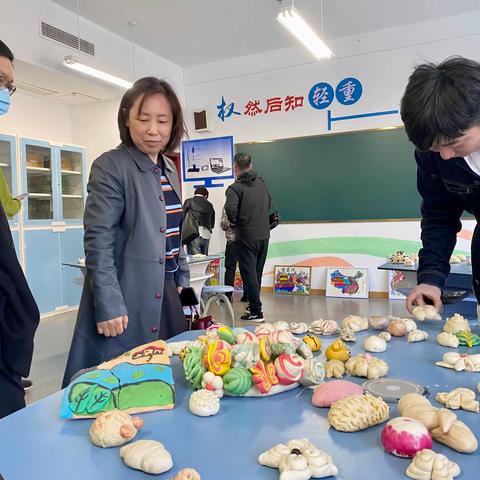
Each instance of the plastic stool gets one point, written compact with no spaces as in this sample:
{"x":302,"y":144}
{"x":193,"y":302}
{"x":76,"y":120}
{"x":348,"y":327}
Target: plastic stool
{"x":216,"y":293}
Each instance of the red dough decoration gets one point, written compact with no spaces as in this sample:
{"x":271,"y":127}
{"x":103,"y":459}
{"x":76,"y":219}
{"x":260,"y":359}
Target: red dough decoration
{"x":264,"y":376}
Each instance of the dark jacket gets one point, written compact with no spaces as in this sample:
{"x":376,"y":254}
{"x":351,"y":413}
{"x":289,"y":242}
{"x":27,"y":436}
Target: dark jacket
{"x":19,"y":314}
{"x":124,"y":241}
{"x":202,"y":209}
{"x":448,"y":188}
{"x":247,"y":207}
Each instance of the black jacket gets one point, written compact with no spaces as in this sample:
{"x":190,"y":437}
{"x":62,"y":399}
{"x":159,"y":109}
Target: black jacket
{"x":202,"y":209}
{"x":247,"y":207}
{"x":448,"y":188}
{"x":19,"y":314}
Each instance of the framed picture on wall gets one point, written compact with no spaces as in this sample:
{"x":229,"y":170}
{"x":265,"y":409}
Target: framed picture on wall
{"x":295,"y":280}
{"x":207,"y":159}
{"x":347,"y":282}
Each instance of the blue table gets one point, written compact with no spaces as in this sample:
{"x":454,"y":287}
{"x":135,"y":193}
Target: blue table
{"x":459,"y":278}
{"x":35,"y":443}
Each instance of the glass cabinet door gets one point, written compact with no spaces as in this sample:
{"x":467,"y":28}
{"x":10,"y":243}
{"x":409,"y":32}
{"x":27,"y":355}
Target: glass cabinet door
{"x":39,"y":182}
{"x":71,"y":171}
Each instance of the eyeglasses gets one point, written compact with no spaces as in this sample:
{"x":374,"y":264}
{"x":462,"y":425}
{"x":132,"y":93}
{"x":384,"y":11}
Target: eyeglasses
{"x":8,"y":85}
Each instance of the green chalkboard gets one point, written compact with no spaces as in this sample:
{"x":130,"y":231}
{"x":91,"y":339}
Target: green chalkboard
{"x":367,"y":175}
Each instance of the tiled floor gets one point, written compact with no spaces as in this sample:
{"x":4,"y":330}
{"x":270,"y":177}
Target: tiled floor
{"x":54,"y":334}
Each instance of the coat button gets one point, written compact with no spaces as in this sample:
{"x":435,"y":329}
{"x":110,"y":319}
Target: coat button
{"x":160,"y":198}
{"x":161,"y":261}
{"x":154,"y":329}
{"x":162,"y":229}
{"x":156,"y":170}
{"x":158,"y":295}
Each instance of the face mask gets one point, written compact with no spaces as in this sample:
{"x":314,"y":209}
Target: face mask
{"x":4,"y":101}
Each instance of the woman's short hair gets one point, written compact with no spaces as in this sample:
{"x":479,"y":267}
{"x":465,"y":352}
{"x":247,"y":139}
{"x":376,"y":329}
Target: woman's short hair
{"x":441,"y":101}
{"x":145,"y":87}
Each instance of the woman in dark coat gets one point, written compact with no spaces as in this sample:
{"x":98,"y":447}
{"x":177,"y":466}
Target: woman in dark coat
{"x":135,"y":263}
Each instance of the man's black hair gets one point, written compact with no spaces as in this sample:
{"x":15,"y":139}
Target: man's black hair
{"x":6,"y":52}
{"x":201,"y":191}
{"x":441,"y":101}
{"x":243,"y":161}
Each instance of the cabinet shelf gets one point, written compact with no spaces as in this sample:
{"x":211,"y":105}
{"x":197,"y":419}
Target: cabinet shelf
{"x":71,"y":172}
{"x":39,"y":195}
{"x":39,"y":170}
{"x":71,"y":196}
{"x":5,"y":165}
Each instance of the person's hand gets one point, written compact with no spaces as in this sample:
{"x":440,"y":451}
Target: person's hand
{"x":423,"y":294}
{"x":112,"y":328}
{"x":179,"y":290}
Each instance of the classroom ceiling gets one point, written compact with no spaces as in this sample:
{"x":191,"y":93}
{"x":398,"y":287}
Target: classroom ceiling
{"x":192,"y":32}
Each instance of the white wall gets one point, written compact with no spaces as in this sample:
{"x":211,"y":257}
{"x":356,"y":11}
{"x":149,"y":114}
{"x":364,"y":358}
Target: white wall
{"x":33,"y":117}
{"x":20,"y":27}
{"x":382,"y":61}
{"x":92,"y":125}
{"x":95,"y":127}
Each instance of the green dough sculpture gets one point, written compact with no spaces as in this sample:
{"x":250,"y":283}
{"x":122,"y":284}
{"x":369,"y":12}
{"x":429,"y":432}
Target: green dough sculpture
{"x":193,"y":367}
{"x":468,"y":338}
{"x":237,"y":381}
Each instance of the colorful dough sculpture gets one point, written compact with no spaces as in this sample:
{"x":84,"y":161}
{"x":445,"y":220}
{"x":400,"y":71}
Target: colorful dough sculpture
{"x":337,"y":351}
{"x":404,"y":437}
{"x":266,"y":363}
{"x":140,"y":380}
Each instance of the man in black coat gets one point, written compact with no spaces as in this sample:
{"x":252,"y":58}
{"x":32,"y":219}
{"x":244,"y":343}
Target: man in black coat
{"x":247,"y":206}
{"x":19,"y":314}
{"x":441,"y":112}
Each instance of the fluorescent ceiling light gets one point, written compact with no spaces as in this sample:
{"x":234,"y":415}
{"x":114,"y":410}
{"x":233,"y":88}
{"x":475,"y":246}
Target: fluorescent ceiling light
{"x":300,"y":29}
{"x":74,"y":64}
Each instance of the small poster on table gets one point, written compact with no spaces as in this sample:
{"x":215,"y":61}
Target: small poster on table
{"x":214,"y":268}
{"x":294,"y":280}
{"x":347,"y":282}
{"x":396,"y":280}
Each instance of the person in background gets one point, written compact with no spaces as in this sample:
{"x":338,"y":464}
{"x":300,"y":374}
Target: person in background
{"x":247,"y":206}
{"x":441,"y":112}
{"x":135,"y":264}
{"x":11,"y":205}
{"x":204,"y":213}
{"x":231,"y":258}
{"x":19,"y":315}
